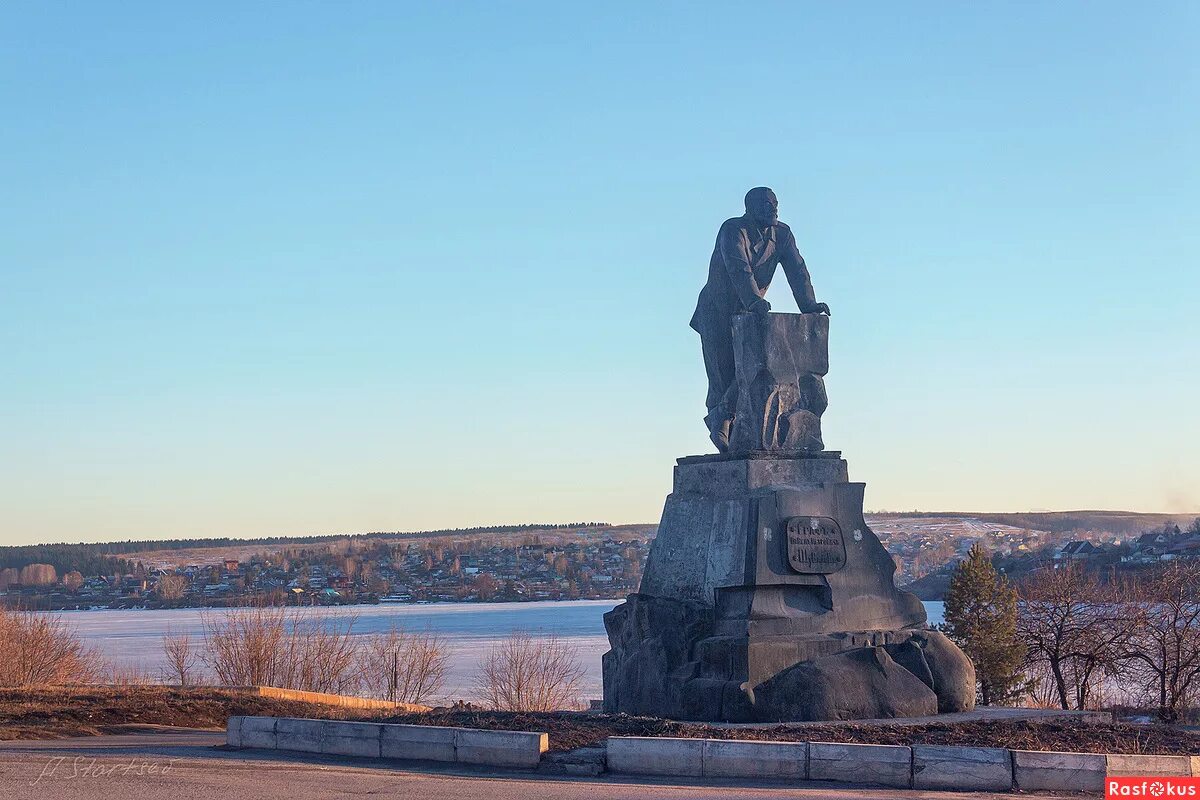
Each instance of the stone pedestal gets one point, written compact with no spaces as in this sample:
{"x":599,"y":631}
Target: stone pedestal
{"x":766,"y":597}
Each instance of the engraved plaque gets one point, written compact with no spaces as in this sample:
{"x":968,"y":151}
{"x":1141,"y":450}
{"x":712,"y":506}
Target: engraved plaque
{"x":815,"y":545}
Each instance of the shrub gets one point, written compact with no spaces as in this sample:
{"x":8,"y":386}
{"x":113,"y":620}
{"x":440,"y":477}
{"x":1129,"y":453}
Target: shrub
{"x":42,"y":650}
{"x":523,"y":673}
{"x":403,"y":667}
{"x":275,"y":647}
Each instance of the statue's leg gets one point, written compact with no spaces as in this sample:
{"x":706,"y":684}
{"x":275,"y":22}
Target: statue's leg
{"x":716,"y":343}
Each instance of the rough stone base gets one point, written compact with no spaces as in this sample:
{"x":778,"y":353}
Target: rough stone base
{"x":766,"y":597}
{"x":666,"y":661}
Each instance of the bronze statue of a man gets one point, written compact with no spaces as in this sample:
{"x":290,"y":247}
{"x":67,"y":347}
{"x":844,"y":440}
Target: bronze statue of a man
{"x":743,"y":262}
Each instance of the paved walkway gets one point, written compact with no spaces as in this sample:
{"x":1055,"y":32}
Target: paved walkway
{"x":189,"y":764}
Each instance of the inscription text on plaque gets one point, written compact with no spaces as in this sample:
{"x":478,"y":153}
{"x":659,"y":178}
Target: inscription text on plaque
{"x":815,"y":545}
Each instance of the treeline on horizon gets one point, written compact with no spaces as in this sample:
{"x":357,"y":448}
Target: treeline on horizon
{"x":103,"y":558}
{"x":86,"y":559}
{"x":1058,"y":521}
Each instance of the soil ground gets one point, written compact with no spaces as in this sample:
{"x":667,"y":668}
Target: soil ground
{"x":60,"y":712}
{"x":55,"y":713}
{"x":569,"y":730}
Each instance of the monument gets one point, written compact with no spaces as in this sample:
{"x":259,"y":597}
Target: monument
{"x":765,"y":596}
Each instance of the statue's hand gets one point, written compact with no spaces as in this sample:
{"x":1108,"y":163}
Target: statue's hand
{"x":760,"y":306}
{"x":819,"y":308}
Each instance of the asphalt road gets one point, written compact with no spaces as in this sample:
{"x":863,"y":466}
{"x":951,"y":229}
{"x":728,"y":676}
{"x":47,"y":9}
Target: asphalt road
{"x":186,"y":765}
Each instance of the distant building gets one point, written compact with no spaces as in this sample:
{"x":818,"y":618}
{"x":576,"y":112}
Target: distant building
{"x":1151,"y":540}
{"x":1076,"y":551}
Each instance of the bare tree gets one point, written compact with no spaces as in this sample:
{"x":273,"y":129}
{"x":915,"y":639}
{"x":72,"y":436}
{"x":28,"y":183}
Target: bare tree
{"x":404,"y":667}
{"x":1075,"y":630}
{"x":1162,"y":659}
{"x":38,"y":575}
{"x":294,"y":649}
{"x":72,"y":580}
{"x":523,"y":673}
{"x":42,"y":650}
{"x":486,"y":586}
{"x":321,"y":654}
{"x":181,"y":657}
{"x":243,"y":646}
{"x":1042,"y":692}
{"x":170,"y":587}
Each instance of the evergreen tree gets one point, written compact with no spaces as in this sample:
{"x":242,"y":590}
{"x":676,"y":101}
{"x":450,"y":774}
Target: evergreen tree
{"x":981,"y":618}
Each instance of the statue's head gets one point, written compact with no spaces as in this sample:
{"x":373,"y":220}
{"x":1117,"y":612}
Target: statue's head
{"x":762,"y":205}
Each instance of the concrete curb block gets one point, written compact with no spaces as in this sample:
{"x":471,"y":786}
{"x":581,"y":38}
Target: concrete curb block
{"x":518,"y":749}
{"x":706,"y":758}
{"x":750,"y":759}
{"x":417,"y":742}
{"x":896,"y":766}
{"x":918,"y":767}
{"x":233,"y":732}
{"x":256,"y":732}
{"x":299,"y":735}
{"x":881,"y":764}
{"x":1037,"y":771}
{"x":1157,"y":766}
{"x":971,"y":768}
{"x":348,"y":738}
{"x":500,"y":748}
{"x":652,"y":755}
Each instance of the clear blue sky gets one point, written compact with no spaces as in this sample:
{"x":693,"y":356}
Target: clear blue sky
{"x":285,"y":268}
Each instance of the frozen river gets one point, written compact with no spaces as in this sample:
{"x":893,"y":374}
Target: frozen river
{"x":133,"y":639}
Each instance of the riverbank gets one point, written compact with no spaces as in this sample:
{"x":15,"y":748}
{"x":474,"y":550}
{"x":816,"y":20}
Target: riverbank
{"x":22,"y":603}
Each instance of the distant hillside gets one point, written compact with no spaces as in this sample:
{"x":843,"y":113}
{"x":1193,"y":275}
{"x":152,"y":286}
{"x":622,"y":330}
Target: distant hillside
{"x":137,"y":545}
{"x":116,"y":557}
{"x":112,"y":557}
{"x":1121,"y":522}
{"x":206,"y":553}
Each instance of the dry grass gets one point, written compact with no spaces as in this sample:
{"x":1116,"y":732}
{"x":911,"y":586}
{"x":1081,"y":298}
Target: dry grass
{"x":59,"y":712}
